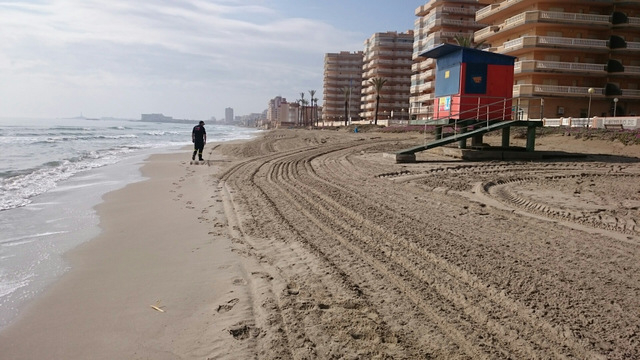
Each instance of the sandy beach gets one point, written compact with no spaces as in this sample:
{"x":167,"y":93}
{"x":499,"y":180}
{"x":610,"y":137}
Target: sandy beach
{"x":311,"y":244}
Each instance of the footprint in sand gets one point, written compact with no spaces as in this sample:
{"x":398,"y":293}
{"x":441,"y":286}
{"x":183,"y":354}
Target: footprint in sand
{"x":293,"y":289}
{"x":239,"y":282}
{"x":228,"y":305}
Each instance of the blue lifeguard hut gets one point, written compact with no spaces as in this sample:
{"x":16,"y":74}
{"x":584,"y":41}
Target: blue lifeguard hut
{"x":471,"y":84}
{"x":473,"y":95}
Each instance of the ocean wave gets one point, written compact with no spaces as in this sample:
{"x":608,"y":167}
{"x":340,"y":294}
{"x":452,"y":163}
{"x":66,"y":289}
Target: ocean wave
{"x":9,"y":286}
{"x":28,"y":238}
{"x":57,"y":139}
{"x":77,"y":128}
{"x":17,"y":191}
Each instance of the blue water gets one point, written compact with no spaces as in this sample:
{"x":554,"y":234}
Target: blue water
{"x":52,"y":173}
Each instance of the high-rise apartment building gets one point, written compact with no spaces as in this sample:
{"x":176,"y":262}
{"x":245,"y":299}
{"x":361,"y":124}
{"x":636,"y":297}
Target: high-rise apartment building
{"x":387,"y":56}
{"x":581,"y":57}
{"x":342,"y":85}
{"x":228,"y":115}
{"x":438,"y":22}
{"x":273,"y":110}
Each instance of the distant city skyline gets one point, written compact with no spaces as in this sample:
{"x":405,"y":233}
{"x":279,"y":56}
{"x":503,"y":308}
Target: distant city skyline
{"x":186,"y":59}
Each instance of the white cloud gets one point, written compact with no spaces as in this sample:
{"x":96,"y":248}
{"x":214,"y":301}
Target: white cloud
{"x":104,"y":52}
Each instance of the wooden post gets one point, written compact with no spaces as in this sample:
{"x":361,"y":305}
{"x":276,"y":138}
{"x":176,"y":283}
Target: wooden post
{"x":438,"y":132}
{"x":506,"y":136}
{"x":462,"y":144}
{"x":531,"y":138}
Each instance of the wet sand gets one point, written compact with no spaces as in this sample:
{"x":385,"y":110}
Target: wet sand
{"x":311,"y":244}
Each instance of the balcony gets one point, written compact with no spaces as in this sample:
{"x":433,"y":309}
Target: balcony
{"x":424,"y":98}
{"x":495,"y":8}
{"x":633,"y":45}
{"x":556,"y":66}
{"x":459,"y":10}
{"x":438,"y":23}
{"x":554,"y":90}
{"x":635,"y":70}
{"x":425,"y":75}
{"x":424,"y":9}
{"x":630,"y":93}
{"x":540,"y":17}
{"x":422,"y":87}
{"x":553,"y":42}
{"x":423,"y":65}
{"x":485,"y":33}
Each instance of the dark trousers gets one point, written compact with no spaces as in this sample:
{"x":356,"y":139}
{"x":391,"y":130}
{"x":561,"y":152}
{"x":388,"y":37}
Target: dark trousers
{"x":198,"y":146}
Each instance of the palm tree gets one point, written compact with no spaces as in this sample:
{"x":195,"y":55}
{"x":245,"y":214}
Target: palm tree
{"x":467,"y":41}
{"x":377,"y":83}
{"x":299,"y":102}
{"x":305,"y":102}
{"x":347,"y":95}
{"x":314,"y":101}
{"x":302,"y":103}
{"x":312,"y":93}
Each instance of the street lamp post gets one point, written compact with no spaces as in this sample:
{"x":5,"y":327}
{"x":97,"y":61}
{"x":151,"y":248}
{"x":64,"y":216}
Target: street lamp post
{"x":590,"y":91}
{"x":615,"y":106}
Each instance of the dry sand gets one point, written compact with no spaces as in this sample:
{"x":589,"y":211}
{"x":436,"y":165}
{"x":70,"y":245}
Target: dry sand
{"x":311,"y":244}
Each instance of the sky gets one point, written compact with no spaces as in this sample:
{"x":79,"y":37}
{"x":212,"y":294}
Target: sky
{"x":189,"y":59}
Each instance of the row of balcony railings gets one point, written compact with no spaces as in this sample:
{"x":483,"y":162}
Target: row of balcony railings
{"x":341,"y":64}
{"x":385,"y":40}
{"x":398,"y":53}
{"x":437,"y":36}
{"x":386,"y":73}
{"x":378,"y":61}
{"x":396,"y":108}
{"x":338,"y":83}
{"x":391,"y":105}
{"x":430,"y":25}
{"x":494,"y":8}
{"x":435,"y":39}
{"x":422,"y":87}
{"x":443,"y":12}
{"x":614,"y":43}
{"x":549,"y":16}
{"x":424,"y":9}
{"x":612,"y":66}
{"x":350,"y":68}
{"x":573,"y":91}
{"x":367,"y":88}
{"x":386,"y":98}
{"x":422,"y":65}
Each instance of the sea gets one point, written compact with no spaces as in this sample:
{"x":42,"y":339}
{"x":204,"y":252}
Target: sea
{"x":52,"y":174}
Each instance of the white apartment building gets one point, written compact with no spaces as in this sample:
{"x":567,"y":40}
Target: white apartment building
{"x":438,"y":22}
{"x":387,"y":56}
{"x":342,"y":86}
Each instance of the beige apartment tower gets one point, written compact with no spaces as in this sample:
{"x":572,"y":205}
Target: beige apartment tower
{"x":581,"y":57}
{"x":438,"y":22}
{"x":387,"y":56}
{"x":342,"y":85}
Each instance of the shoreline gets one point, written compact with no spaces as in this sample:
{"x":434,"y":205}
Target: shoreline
{"x":158,"y":246}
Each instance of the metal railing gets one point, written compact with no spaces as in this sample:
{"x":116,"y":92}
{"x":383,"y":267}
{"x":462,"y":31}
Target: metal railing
{"x":483,"y":115}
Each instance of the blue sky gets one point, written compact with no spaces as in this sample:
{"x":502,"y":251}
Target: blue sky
{"x":187,"y":59}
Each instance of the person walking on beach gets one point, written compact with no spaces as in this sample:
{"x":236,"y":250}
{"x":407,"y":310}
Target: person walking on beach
{"x":199,"y":138}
